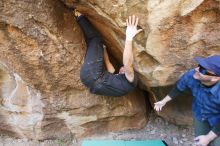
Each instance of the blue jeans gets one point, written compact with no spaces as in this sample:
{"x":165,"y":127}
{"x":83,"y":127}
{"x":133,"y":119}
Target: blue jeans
{"x":93,"y":66}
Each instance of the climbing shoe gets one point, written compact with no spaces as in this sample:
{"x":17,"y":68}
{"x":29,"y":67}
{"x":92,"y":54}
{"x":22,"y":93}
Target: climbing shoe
{"x":75,"y":13}
{"x":69,"y":4}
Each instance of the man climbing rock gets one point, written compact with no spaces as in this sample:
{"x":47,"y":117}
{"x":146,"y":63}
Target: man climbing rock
{"x":97,"y":72}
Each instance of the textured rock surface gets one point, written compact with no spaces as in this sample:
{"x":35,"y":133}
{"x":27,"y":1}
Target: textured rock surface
{"x":42,"y":49}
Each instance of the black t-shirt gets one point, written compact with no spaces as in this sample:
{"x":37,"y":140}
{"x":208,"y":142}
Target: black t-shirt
{"x":114,"y":85}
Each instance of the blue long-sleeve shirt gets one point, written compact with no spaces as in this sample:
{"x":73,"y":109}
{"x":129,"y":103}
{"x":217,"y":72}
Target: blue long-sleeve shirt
{"x":206,"y":101}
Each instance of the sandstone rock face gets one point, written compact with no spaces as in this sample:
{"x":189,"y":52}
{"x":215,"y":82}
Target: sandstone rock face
{"x":41,"y":51}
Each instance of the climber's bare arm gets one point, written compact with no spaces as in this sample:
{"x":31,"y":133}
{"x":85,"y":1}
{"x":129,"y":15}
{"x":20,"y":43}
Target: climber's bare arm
{"x":108,"y":64}
{"x":128,"y":58}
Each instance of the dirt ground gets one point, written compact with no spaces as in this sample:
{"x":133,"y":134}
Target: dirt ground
{"x":157,"y":128}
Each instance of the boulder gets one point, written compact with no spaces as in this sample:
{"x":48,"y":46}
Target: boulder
{"x":41,"y":51}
